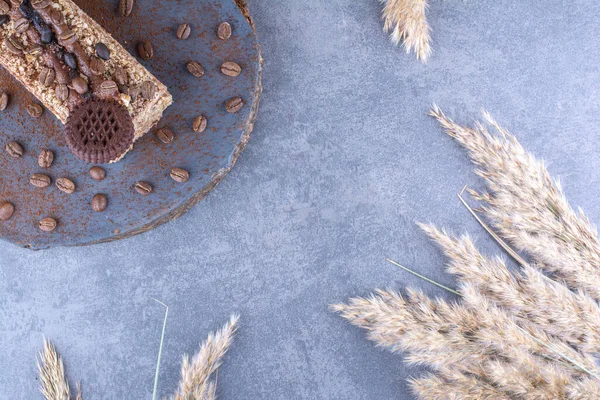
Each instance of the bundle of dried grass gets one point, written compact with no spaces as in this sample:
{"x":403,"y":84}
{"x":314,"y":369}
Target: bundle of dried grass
{"x":406,"y":22}
{"x":523,"y":335}
{"x":195,"y":384}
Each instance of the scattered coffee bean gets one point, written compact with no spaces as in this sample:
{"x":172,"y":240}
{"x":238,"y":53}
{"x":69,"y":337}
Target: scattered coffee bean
{"x":67,"y":37}
{"x":4,"y":7}
{"x":35,"y":110}
{"x":47,"y":224}
{"x":40,"y":4}
{"x":99,"y":202}
{"x":3,"y":19}
{"x":179,"y":175}
{"x":3,"y":101}
{"x":135,"y":91}
{"x":143,"y":188}
{"x":108,"y":88}
{"x":234,"y":105}
{"x":57,"y":17}
{"x":80,"y":85}
{"x":62,"y":92}
{"x":199,"y":124}
{"x":14,"y":149}
{"x":230,"y":68}
{"x":70,"y":60}
{"x":21,"y":25}
{"x":148,"y":90}
{"x":6,"y":210}
{"x":45,"y":158}
{"x":224,"y":31}
{"x":145,"y":50}
{"x":66,"y":185}
{"x":195,"y":69}
{"x":102,"y":51}
{"x":183,"y":31}
{"x":165,"y":135}
{"x":13,"y":45}
{"x":47,"y":76}
{"x":46,"y":35}
{"x":97,"y":66}
{"x":35,"y":50}
{"x":40,"y":180}
{"x":120,"y":75}
{"x":97,"y":173}
{"x":125,"y":7}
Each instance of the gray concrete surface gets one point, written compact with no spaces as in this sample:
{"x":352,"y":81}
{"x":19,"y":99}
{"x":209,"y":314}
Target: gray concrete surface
{"x":342,"y":163}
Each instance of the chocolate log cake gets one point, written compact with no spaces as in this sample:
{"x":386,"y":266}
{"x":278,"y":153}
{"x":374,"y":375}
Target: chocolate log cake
{"x":79,"y":72}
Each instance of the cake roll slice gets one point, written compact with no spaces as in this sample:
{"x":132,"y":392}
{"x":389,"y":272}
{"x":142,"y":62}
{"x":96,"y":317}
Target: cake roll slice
{"x":79,"y":72}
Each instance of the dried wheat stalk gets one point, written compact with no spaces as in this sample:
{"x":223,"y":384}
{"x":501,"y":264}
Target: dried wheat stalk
{"x":406,"y":22}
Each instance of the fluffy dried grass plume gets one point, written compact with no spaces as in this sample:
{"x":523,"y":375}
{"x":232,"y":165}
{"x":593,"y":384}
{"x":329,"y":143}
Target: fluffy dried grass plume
{"x":54,"y":384}
{"x":406,"y":22}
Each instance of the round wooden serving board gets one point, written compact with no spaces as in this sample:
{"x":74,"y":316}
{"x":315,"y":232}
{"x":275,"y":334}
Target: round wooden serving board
{"x":208,"y":156}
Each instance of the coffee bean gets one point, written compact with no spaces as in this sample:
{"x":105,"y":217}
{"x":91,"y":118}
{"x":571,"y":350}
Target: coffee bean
{"x":199,"y":124}
{"x":108,"y":88}
{"x":46,"y":34}
{"x":70,"y":60}
{"x":165,"y":135}
{"x":62,"y":92}
{"x":148,"y":90}
{"x":135,"y":91}
{"x":145,"y":50}
{"x":14,"y":149}
{"x":21,"y":25}
{"x":183,"y":32}
{"x":143,"y":188}
{"x":195,"y":69}
{"x":45,"y":158}
{"x":47,"y":224}
{"x":6,"y":210}
{"x":66,"y":185}
{"x":3,"y":19}
{"x":40,"y":180}
{"x":39,"y":4}
{"x":224,"y":31}
{"x":125,"y":7}
{"x":13,"y":45}
{"x":102,"y":51}
{"x":120,"y":75}
{"x":47,"y":76}
{"x":97,"y":173}
{"x":179,"y":175}
{"x":67,"y":37}
{"x":97,"y":66}
{"x":35,"y":50}
{"x":99,"y":202}
{"x":234,"y":105}
{"x":230,"y":68}
{"x":57,"y":17}
{"x":4,"y":7}
{"x":35,"y":110}
{"x":80,"y":85}
{"x":3,"y":101}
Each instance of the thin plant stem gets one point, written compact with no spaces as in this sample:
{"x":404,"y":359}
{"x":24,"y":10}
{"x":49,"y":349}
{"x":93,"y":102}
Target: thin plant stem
{"x":160,"y":348}
{"x":423,"y":277}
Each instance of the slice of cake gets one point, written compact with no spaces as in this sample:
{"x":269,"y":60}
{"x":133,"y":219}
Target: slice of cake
{"x":106,"y":98}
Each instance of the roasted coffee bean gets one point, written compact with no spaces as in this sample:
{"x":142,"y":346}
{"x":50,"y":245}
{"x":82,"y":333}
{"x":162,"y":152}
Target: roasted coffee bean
{"x":224,"y":31}
{"x":16,"y":3}
{"x":108,"y":88}
{"x":47,"y":76}
{"x":14,"y":149}
{"x":99,"y":202}
{"x":143,"y":188}
{"x":57,"y":17}
{"x":80,"y":85}
{"x":13,"y":45}
{"x":102,"y":51}
{"x":97,"y":173}
{"x":35,"y":50}
{"x":125,"y":7}
{"x":45,"y":33}
{"x":234,"y":105}
{"x":40,"y":4}
{"x":66,"y":185}
{"x":179,"y":175}
{"x":145,"y":50}
{"x":45,"y":158}
{"x":3,"y":19}
{"x":121,"y":75}
{"x":4,"y":7}
{"x":195,"y":69}
{"x":62,"y":92}
{"x":47,"y":224}
{"x":97,"y":66}
{"x":183,"y":32}
{"x":67,"y":37}
{"x":21,"y":25}
{"x":230,"y":68}
{"x":148,"y":90}
{"x":134,"y":91}
{"x":199,"y":124}
{"x":26,"y":9}
{"x":165,"y":135}
{"x":40,"y":180}
{"x":35,"y":110}
{"x":3,"y":101}
{"x":6,"y":210}
{"x":70,"y":60}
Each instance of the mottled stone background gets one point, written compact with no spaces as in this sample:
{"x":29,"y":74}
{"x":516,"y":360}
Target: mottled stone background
{"x":342,"y":162}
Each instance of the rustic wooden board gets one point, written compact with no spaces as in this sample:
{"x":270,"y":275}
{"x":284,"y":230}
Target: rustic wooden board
{"x":208,"y":156}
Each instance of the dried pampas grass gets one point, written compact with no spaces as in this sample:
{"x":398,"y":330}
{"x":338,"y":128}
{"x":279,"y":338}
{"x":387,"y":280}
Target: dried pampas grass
{"x":524,"y":334}
{"x":406,"y":22}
